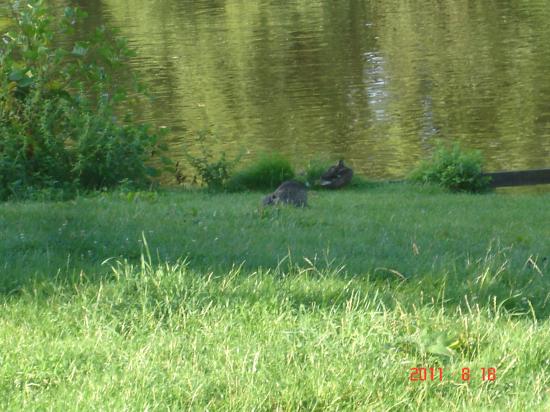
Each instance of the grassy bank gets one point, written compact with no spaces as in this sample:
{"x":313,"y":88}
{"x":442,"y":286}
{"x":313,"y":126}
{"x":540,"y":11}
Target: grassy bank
{"x":194,"y":300}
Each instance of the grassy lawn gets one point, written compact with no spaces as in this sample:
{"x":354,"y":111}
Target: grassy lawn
{"x":190,"y":300}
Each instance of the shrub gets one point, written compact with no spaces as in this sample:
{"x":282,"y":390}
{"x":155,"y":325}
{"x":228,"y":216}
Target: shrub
{"x":453,"y":168}
{"x":268,"y":172}
{"x":61,"y":124}
{"x":211,"y":171}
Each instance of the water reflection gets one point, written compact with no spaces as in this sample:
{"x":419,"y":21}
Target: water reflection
{"x":369,"y":81}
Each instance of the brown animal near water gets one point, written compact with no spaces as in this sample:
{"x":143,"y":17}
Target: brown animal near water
{"x":336,"y":176}
{"x":290,"y":192}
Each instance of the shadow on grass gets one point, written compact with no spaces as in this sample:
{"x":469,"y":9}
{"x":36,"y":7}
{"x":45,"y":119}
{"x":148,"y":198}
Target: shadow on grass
{"x":55,"y":246}
{"x":487,"y":285}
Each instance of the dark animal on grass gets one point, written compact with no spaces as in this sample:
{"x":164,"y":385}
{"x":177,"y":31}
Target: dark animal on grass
{"x":336,"y":176}
{"x":290,"y":192}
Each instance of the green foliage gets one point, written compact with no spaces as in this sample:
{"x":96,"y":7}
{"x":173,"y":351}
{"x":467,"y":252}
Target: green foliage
{"x":268,"y":172}
{"x":358,"y":182}
{"x":313,"y":171}
{"x":212,"y":171}
{"x":61,"y":125}
{"x":453,"y":168}
{"x":317,"y":167}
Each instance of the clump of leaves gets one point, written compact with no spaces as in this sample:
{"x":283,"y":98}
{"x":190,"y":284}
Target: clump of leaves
{"x":212,"y":170}
{"x":266,"y":173}
{"x":453,"y":168}
{"x":62,"y":126}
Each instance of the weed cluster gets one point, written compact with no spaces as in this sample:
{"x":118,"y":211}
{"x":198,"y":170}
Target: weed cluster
{"x":214,"y":172}
{"x":268,"y":172}
{"x":265,"y":173}
{"x":313,"y":171}
{"x":452,"y":168}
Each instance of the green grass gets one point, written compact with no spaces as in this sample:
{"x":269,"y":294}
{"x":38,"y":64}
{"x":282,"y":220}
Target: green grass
{"x":190,"y":300}
{"x":266,"y":173}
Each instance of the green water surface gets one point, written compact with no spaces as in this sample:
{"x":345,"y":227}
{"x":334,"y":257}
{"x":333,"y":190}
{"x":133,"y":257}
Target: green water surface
{"x":373,"y":82}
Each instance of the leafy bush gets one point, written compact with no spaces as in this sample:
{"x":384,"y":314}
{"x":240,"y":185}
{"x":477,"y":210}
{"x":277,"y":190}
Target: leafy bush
{"x":213,"y":172}
{"x":268,"y":172}
{"x":59,"y":127}
{"x":454,"y":169}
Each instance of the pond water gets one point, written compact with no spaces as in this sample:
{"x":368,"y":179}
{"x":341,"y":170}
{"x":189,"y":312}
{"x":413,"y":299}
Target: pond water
{"x":373,"y":82}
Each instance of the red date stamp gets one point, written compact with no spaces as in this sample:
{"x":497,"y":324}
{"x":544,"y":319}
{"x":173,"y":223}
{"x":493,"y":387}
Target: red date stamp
{"x":437,"y":374}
